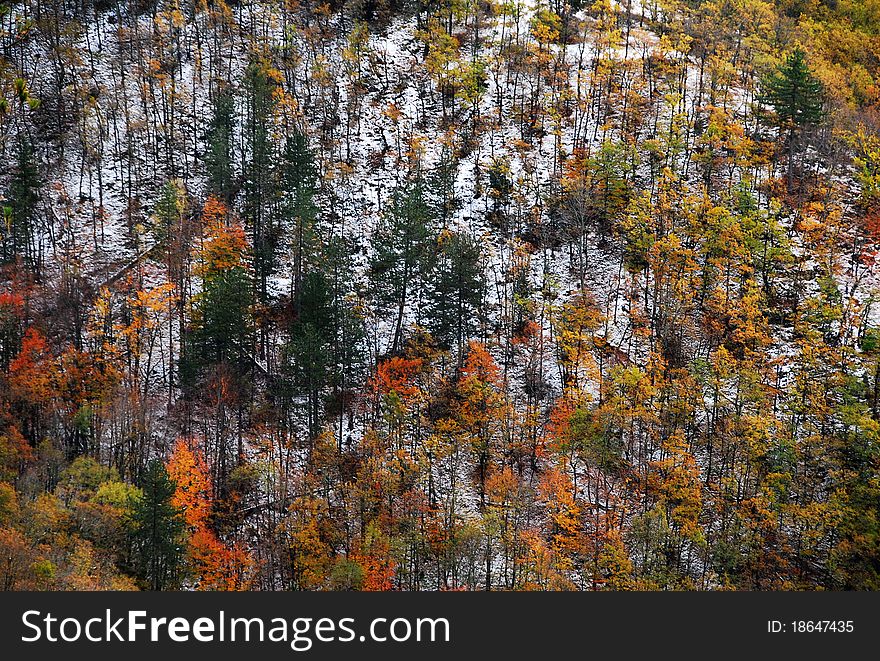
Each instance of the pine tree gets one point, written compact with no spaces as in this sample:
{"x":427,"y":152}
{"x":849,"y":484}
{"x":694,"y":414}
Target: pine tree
{"x":324,"y":348}
{"x":455,"y":291}
{"x":158,"y":531}
{"x":402,"y":253}
{"x":298,"y":185}
{"x":797,"y":99}
{"x":219,"y":149}
{"x":19,"y":214}
{"x":168,"y":211}
{"x":223,"y":314}
{"x":258,"y":185}
{"x":347,"y":343}
{"x":308,"y":357}
{"x":221,"y":330}
{"x":299,"y":172}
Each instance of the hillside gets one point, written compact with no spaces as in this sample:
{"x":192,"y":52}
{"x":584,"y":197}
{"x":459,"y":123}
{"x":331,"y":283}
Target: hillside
{"x":440,"y":295}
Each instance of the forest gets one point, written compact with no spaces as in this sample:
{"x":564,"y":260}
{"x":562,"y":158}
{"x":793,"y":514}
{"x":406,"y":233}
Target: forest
{"x":440,"y":295}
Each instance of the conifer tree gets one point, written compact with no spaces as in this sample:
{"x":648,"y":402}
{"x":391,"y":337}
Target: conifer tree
{"x":402,"y":253}
{"x":455,"y":290}
{"x":298,"y":185}
{"x":221,"y":324}
{"x":169,"y":208}
{"x":219,"y":148}
{"x":347,"y":341}
{"x":19,"y":212}
{"x":324,"y":347}
{"x":158,"y":531}
{"x":308,"y":356}
{"x":258,"y":186}
{"x":797,"y":98}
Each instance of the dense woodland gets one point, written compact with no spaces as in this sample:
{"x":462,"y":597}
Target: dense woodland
{"x":439,"y":295}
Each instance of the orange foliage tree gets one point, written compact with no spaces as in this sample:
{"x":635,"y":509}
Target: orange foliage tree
{"x":217,"y":566}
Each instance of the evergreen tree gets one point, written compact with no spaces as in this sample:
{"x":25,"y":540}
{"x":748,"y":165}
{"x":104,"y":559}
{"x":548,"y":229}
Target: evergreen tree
{"x":298,"y":185}
{"x":797,"y":99}
{"x":299,"y":171}
{"x":348,"y":334}
{"x":221,"y":331}
{"x":219,"y":149}
{"x":402,"y":254}
{"x":20,"y":213}
{"x":158,"y":533}
{"x":456,"y":290}
{"x":223,"y":315}
{"x":308,"y":357}
{"x":258,"y":184}
{"x":324,"y":348}
{"x":441,"y":185}
{"x":168,"y":210}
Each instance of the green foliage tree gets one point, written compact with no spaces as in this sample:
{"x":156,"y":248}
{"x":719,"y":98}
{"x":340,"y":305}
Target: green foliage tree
{"x":168,"y":210}
{"x":298,"y":177}
{"x":20,"y":211}
{"x":455,"y":290}
{"x":324,"y":344}
{"x":259,"y":86}
{"x":403,"y":247}
{"x":219,"y":152}
{"x":224,"y":325}
{"x":158,"y":532}
{"x":797,"y":98}
{"x":221,"y":328}
{"x":308,"y":355}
